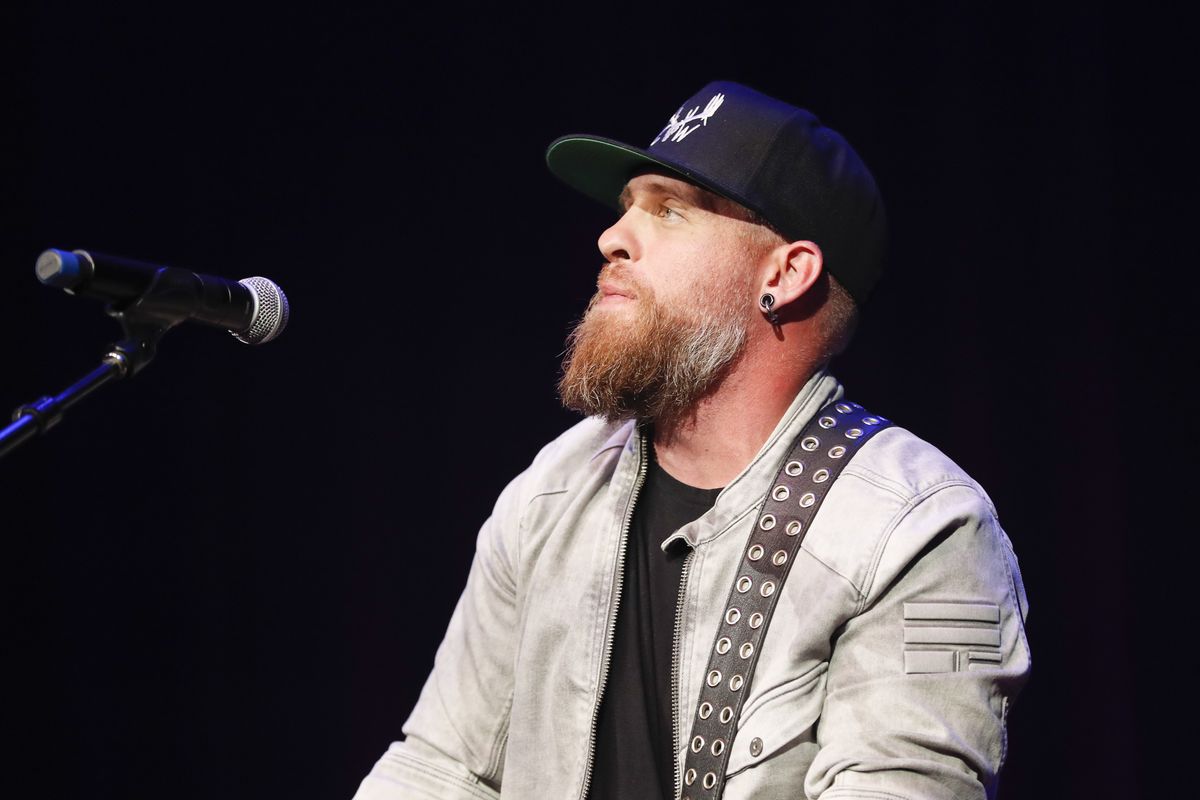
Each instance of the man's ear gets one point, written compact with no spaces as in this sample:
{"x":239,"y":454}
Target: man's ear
{"x":792,"y":269}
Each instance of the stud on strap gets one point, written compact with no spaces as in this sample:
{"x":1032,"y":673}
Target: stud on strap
{"x":812,"y":467}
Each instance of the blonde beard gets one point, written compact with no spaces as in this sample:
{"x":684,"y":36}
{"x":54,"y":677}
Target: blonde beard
{"x":659,"y":364}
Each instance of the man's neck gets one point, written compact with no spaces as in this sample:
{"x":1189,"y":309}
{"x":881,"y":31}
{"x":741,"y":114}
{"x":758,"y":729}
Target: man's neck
{"x":710,"y":447}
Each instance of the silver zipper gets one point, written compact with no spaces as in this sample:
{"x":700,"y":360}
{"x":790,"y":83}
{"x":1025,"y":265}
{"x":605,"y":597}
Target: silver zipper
{"x":612,"y":618}
{"x":676,"y":699}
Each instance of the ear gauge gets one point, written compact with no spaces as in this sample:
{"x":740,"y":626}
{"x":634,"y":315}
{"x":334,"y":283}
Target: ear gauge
{"x":766,"y":304}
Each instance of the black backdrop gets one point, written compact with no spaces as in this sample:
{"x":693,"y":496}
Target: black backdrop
{"x":227,"y":577}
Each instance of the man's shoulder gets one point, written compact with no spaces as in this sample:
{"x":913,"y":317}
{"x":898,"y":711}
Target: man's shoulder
{"x":896,"y":495}
{"x":899,"y":461}
{"x":588,"y":445}
{"x":582,"y":454}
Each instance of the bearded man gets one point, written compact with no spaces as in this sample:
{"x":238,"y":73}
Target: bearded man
{"x":627,"y":630}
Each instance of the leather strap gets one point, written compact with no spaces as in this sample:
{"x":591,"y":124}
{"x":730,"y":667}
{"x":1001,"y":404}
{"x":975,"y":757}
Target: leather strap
{"x":816,"y":459}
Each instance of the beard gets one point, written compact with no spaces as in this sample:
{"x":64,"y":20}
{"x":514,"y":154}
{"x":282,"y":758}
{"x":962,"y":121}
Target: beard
{"x":655,"y":361}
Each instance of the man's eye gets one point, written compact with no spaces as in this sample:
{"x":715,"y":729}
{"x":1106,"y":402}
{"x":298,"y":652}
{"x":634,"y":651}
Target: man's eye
{"x":666,"y":212}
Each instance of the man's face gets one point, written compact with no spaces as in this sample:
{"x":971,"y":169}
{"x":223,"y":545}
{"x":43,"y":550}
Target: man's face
{"x":674,"y":300}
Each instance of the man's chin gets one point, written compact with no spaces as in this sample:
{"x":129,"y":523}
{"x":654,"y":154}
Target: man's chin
{"x":613,"y":308}
{"x":613,"y":322}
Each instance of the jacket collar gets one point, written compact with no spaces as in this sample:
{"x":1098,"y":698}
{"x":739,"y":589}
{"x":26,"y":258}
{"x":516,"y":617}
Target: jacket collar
{"x":746,"y":491}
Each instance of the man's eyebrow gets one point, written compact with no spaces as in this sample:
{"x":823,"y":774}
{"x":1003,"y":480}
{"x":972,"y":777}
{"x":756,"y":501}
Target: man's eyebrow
{"x":693,"y":195}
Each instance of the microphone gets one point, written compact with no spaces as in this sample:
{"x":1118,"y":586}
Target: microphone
{"x":255,"y":310}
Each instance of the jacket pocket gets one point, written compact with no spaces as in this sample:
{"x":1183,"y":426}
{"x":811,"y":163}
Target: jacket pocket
{"x":778,"y":719}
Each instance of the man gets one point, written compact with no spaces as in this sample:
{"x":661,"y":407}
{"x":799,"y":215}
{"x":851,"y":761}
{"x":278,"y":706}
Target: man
{"x":579,"y":659}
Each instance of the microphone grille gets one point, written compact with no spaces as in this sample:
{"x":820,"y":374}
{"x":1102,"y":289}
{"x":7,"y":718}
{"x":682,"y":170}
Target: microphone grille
{"x":271,"y":311}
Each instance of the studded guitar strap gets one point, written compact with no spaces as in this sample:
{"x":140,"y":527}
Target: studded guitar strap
{"x":820,"y":453}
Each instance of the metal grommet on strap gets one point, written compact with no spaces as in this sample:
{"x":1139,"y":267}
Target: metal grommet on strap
{"x":788,"y":509}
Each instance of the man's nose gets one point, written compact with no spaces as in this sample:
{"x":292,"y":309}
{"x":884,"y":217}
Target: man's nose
{"x":618,"y":242}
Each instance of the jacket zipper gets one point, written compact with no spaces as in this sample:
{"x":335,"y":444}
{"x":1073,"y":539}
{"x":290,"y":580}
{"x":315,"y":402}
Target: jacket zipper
{"x":676,"y":699}
{"x":612,"y":618}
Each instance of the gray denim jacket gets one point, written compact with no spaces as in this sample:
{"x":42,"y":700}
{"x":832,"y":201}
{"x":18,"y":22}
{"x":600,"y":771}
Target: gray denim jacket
{"x":896,"y":648}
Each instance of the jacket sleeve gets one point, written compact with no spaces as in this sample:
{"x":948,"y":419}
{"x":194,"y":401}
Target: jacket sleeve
{"x":455,"y":735}
{"x":921,"y":679}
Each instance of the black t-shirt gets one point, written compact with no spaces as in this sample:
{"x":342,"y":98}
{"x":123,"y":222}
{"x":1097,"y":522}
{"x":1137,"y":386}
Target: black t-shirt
{"x":633,"y":757}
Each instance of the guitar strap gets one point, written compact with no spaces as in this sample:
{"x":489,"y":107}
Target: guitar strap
{"x":816,"y":459}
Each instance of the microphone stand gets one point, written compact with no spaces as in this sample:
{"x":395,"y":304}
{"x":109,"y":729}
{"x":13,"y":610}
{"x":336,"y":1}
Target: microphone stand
{"x":163,"y":305}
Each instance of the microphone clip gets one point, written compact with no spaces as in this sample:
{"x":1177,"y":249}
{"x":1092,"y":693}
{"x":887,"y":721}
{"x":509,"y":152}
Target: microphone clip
{"x":144,"y":320}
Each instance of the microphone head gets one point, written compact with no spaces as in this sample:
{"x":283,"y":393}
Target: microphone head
{"x":271,"y":311}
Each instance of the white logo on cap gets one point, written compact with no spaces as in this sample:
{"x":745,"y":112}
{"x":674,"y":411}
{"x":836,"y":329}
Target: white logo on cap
{"x":678,"y":128}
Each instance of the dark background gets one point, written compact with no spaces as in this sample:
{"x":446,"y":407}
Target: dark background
{"x":228,"y":577}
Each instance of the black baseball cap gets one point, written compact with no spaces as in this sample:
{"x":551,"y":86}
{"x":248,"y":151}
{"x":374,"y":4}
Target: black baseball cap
{"x":771,"y":157}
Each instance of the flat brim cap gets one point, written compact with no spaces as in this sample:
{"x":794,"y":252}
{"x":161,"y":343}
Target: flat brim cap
{"x":771,"y":157}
